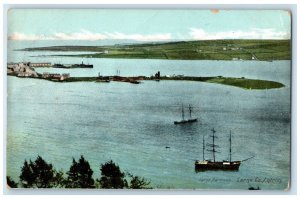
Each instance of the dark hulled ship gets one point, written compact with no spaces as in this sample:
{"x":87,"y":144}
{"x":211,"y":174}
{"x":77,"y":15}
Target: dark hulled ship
{"x":70,"y":66}
{"x":226,"y":165}
{"x":183,"y":120}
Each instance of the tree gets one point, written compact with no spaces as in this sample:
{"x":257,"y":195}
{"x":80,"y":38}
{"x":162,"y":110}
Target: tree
{"x":27,"y":178}
{"x":111,"y":176}
{"x":80,"y":175}
{"x":137,"y":182}
{"x":11,"y":183}
{"x":39,"y":174}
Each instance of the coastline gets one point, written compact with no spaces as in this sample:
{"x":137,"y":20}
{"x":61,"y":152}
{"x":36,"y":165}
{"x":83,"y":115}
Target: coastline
{"x":260,"y":50}
{"x":242,"y":82}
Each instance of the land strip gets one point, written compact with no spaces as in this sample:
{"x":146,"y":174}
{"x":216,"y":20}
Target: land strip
{"x":24,"y":71}
{"x":263,"y":50}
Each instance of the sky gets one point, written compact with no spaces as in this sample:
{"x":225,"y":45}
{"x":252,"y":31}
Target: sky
{"x":147,"y":24}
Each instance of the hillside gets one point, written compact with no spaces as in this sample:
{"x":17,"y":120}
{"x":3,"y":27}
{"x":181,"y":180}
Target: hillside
{"x":266,"y":50}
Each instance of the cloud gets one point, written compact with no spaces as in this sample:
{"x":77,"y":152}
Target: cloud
{"x":87,"y":35}
{"x":194,"y":34}
{"x":255,"y":33}
{"x":83,"y":35}
{"x":139,"y":37}
{"x":21,"y":36}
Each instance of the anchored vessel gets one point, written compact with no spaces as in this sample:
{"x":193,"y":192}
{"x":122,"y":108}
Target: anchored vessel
{"x":184,"y":121}
{"x":204,"y":165}
{"x":82,"y":65}
{"x":68,"y":66}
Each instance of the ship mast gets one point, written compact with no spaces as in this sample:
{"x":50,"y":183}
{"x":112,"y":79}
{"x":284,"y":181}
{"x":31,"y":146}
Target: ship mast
{"x":213,"y":150}
{"x":203,"y":148}
{"x":230,"y":147}
{"x":182,"y":112}
{"x":213,"y":145}
{"x":190,"y":109}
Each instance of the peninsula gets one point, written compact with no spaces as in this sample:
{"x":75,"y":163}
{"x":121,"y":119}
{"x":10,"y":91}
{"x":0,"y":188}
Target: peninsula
{"x":25,"y":71}
{"x":263,"y":50}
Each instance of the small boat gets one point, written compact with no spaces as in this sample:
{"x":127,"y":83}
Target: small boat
{"x":184,"y":121}
{"x":103,"y":80}
{"x":132,"y":81}
{"x":225,"y":165}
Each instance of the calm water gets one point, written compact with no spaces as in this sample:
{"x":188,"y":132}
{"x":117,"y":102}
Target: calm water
{"x":132,"y":124}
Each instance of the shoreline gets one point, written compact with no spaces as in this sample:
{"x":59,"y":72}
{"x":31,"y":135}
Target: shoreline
{"x":235,"y":50}
{"x":244,"y":83}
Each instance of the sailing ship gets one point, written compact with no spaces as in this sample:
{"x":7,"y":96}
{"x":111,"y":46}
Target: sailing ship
{"x":227,"y":165}
{"x":183,"y":120}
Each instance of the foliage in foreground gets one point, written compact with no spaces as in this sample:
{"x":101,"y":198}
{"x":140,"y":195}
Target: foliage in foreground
{"x":80,"y":175}
{"x":40,"y":174}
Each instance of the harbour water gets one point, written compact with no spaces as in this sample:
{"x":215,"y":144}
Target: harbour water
{"x":133,"y":124}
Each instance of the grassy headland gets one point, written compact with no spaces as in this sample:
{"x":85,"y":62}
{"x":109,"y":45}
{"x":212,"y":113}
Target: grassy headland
{"x":265,"y":50}
{"x":246,"y":83}
{"x":231,"y":81}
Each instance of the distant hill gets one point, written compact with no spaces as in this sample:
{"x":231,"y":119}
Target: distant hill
{"x":266,"y":50}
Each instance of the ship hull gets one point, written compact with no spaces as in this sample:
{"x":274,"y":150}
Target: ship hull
{"x":185,"y":121}
{"x":226,"y":166}
{"x":81,"y":66}
{"x":192,"y":120}
{"x":72,"y":66}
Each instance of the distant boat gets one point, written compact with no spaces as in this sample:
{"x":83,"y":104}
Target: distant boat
{"x":226,"y":165}
{"x":132,"y":81}
{"x":82,"y":65}
{"x":103,"y":80}
{"x":184,"y":121}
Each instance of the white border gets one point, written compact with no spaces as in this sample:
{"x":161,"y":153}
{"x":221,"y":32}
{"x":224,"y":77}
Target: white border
{"x":205,"y":4}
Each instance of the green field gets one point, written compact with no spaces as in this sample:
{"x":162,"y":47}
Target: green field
{"x":265,"y":50}
{"x":246,"y":83}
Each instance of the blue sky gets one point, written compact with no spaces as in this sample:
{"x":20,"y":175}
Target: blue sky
{"x":146,"y":24}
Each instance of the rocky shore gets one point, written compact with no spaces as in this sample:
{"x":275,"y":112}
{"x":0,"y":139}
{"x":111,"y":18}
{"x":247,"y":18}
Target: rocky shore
{"x":21,"y":70}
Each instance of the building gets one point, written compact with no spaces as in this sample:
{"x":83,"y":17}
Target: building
{"x":64,"y":76}
{"x":45,"y":64}
{"x":55,"y":76}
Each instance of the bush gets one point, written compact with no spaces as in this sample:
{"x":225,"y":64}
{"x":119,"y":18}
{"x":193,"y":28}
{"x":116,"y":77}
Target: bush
{"x":11,"y":183}
{"x":111,"y":176}
{"x":39,"y":174}
{"x":137,"y":182}
{"x":80,"y":175}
